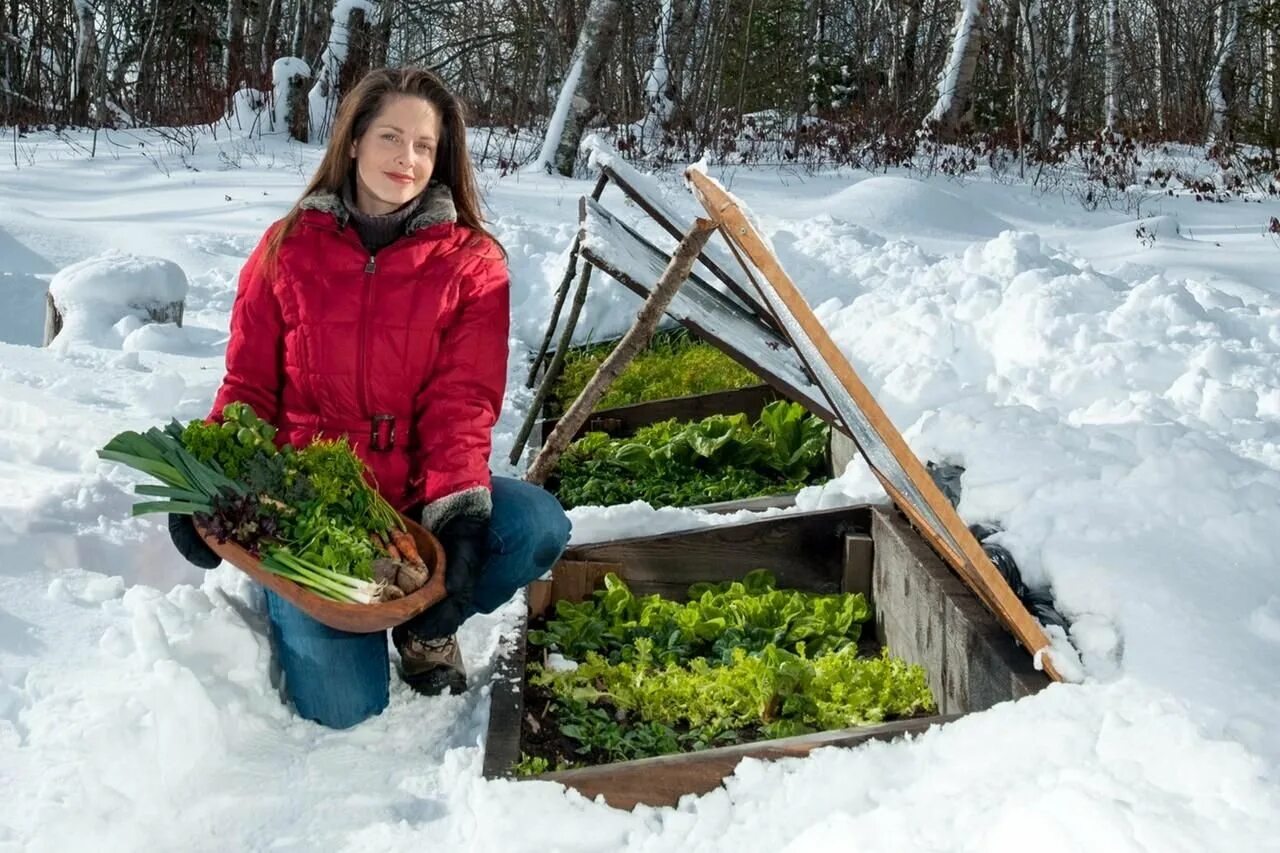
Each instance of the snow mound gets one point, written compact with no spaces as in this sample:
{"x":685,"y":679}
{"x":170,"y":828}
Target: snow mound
{"x":175,"y":340}
{"x":101,"y":297}
{"x":895,"y":206}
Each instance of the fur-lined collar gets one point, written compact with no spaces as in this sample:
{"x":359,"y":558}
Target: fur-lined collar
{"x":434,"y":208}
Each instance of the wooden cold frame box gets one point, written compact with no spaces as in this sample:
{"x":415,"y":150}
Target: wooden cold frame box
{"x":922,"y":613}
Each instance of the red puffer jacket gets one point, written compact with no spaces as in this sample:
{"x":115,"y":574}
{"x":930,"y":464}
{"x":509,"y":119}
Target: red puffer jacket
{"x":404,"y":353}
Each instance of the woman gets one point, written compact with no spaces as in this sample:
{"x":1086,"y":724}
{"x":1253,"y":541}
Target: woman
{"x":377,"y":309}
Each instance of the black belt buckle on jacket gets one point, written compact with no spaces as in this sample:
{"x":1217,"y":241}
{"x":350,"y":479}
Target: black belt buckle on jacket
{"x":382,"y":432}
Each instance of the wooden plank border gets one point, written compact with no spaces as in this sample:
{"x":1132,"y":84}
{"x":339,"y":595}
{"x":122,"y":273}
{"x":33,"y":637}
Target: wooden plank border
{"x":663,"y":780}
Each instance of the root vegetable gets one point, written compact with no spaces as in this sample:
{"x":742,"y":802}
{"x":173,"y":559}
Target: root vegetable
{"x":384,"y":570}
{"x":408,"y":548}
{"x":412,"y":577}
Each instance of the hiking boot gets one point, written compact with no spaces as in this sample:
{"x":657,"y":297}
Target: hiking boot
{"x":431,"y":667}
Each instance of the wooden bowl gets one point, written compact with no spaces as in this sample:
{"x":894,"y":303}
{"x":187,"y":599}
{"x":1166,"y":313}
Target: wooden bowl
{"x":355,"y":618}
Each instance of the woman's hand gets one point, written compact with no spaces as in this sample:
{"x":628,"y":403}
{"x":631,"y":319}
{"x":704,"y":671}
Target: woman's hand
{"x":189,"y":544}
{"x":465,"y":540}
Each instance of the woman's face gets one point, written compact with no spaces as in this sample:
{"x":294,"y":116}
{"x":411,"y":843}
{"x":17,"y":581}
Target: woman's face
{"x":396,"y":155}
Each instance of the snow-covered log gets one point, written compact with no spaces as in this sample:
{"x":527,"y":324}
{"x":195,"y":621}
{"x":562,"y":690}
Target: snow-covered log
{"x":289,"y":79}
{"x":88,"y":300}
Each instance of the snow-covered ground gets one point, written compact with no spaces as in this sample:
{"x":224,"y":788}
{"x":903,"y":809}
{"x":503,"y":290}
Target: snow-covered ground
{"x":1114,"y":396}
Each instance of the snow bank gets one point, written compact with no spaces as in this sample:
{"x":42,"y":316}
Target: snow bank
{"x":249,"y":111}
{"x":104,"y":298}
{"x":894,"y":206}
{"x":1122,"y":432}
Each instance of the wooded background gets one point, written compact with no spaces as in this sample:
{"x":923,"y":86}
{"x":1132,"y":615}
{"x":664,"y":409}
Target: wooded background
{"x":674,"y":77}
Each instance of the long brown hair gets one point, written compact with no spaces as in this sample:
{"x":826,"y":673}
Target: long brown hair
{"x":356,"y":113}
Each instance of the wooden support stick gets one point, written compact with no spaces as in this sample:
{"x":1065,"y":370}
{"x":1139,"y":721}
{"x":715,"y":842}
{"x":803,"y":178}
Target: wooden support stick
{"x":562,"y":291}
{"x":557,"y":363}
{"x":632,"y":342}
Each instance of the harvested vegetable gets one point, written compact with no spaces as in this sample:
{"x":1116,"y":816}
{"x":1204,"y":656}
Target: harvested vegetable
{"x":309,"y":515}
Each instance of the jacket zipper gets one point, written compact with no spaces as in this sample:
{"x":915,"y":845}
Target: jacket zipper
{"x":362,"y":383}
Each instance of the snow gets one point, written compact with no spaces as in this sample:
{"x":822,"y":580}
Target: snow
{"x":1113,"y":401}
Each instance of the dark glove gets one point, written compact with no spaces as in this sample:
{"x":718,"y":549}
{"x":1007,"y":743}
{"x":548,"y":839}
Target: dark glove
{"x":466,"y":548}
{"x":189,"y":544}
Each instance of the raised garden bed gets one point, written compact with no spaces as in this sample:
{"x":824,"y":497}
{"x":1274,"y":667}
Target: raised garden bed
{"x":736,"y":444}
{"x":921,"y":614}
{"x":676,"y":376}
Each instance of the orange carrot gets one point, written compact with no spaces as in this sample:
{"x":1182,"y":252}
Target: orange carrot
{"x":407,"y":546}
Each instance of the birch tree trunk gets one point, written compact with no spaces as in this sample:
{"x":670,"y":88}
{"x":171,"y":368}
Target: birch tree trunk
{"x":1112,"y":70}
{"x":144,"y":88}
{"x":86,"y":60}
{"x":659,"y":106}
{"x":578,"y":102}
{"x":954,"y":106}
{"x":301,"y":21}
{"x":1071,"y":50}
{"x":1271,"y":106}
{"x":1223,"y":68}
{"x":1162,"y":60}
{"x":684,"y":15}
{"x":1033,"y":36}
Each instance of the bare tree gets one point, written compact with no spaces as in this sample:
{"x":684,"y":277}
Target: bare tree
{"x":86,"y":59}
{"x":1220,"y":79}
{"x":1112,"y":66}
{"x":953,"y":109}
{"x":233,"y":53}
{"x":1037,"y":59}
{"x":1271,"y":104}
{"x":579,"y":96}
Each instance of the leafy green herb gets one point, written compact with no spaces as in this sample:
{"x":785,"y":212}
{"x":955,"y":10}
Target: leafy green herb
{"x":722,"y":457}
{"x":738,"y":660}
{"x":674,"y":365}
{"x":530,"y":765}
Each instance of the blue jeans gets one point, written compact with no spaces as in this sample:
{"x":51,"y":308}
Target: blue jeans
{"x":339,"y":679}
